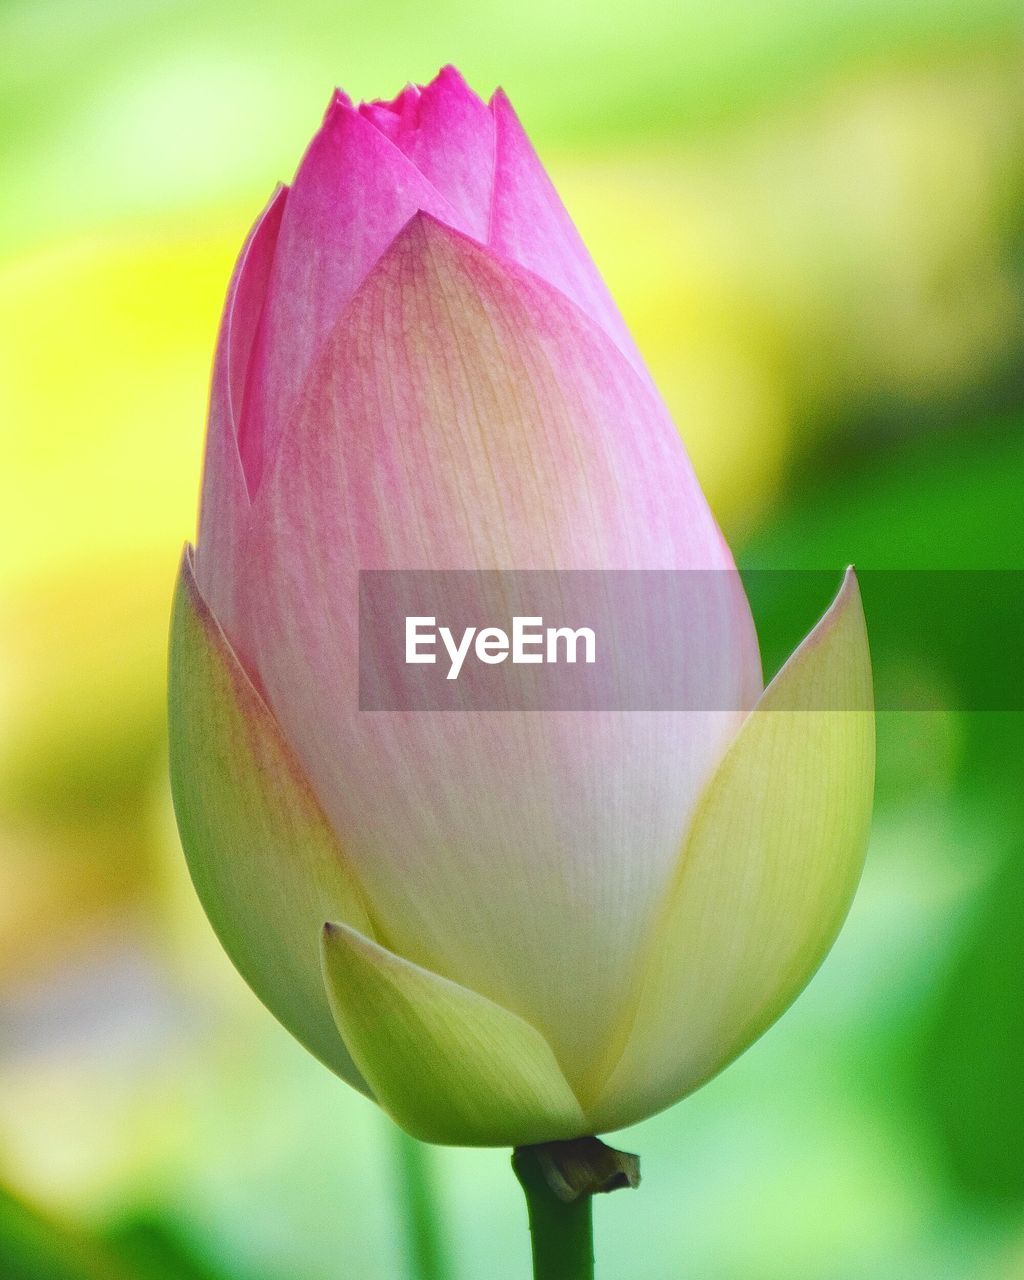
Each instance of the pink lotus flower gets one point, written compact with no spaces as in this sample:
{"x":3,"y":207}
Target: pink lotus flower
{"x":506,"y":928}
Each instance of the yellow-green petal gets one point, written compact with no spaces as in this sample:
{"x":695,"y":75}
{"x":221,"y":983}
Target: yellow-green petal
{"x":766,"y":876}
{"x":448,"y":1064}
{"x":265,"y":864}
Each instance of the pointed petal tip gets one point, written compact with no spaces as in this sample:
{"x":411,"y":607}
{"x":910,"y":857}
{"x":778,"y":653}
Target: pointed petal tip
{"x":425,"y":230}
{"x":845,"y":613}
{"x":849,"y":594}
{"x":451,"y":78}
{"x":339,"y":109}
{"x":846,"y":598}
{"x":192,"y":597}
{"x":340,"y":943}
{"x":186,"y":581}
{"x":339,"y":101}
{"x":847,"y":601}
{"x":446,"y":74}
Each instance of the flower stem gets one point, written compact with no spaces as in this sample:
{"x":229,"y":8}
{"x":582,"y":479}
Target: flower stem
{"x":424,"y":1238}
{"x":562,"y":1234}
{"x":560,"y":1180}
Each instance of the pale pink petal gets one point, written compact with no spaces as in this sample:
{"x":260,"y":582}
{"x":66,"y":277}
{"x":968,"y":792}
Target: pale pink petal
{"x":353,"y":192}
{"x":466,"y":415}
{"x":224,"y":505}
{"x":530,"y":224}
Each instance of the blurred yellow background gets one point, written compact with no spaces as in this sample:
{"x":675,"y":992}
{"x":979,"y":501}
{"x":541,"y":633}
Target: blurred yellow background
{"x":813,"y":218}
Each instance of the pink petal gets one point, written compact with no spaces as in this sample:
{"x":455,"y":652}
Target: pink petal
{"x":396,"y":117}
{"x":530,"y":224}
{"x":447,"y":131}
{"x":467,"y":415}
{"x":224,"y":505}
{"x":353,"y":192}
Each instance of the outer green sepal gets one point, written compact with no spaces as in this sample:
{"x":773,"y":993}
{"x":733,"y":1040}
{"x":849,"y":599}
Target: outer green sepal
{"x":449,"y":1065}
{"x":266,"y":865}
{"x":766,"y":875}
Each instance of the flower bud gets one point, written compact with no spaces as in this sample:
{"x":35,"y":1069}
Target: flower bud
{"x":512,"y":927}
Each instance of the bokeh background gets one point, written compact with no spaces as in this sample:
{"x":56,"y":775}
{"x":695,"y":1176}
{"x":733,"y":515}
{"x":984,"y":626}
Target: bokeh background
{"x":813,"y":216}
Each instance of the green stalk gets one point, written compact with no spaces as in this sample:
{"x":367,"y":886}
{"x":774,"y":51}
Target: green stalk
{"x":424,"y":1239}
{"x":562,"y":1234}
{"x":559,"y":1180}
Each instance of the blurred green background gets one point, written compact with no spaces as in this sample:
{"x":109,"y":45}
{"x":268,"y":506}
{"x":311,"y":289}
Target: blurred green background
{"x":813,"y":217}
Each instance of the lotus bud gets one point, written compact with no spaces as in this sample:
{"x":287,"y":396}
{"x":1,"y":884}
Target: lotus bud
{"x":515,"y":927}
